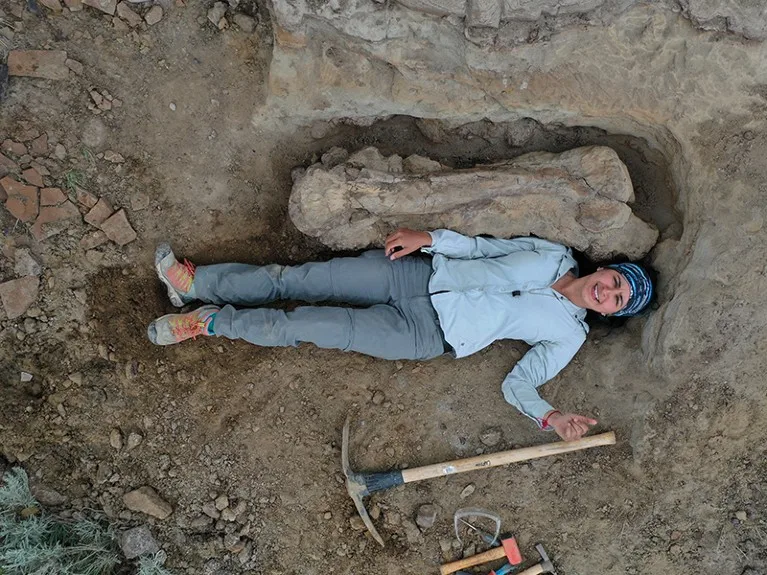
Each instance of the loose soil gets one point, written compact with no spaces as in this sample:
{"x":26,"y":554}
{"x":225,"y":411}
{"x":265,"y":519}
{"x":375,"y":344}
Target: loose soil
{"x":264,"y":425}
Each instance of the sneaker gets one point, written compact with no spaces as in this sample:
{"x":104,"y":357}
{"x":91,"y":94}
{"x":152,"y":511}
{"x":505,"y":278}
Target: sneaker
{"x":176,"y":276}
{"x":176,"y":327}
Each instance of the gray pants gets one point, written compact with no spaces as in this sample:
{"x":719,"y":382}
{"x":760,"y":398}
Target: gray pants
{"x":396,"y":322}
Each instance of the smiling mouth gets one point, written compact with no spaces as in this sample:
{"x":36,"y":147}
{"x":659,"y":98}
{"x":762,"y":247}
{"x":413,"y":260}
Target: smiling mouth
{"x":595,"y":293}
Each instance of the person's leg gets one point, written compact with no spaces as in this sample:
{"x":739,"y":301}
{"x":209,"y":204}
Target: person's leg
{"x":383,"y":331}
{"x":365,"y":280}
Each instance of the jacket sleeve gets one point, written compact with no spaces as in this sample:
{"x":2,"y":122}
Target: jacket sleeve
{"x":541,"y":363}
{"x":457,"y":246}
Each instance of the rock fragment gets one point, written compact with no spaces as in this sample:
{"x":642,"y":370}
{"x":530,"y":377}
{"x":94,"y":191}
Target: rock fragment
{"x":118,"y":229}
{"x":426,"y":516}
{"x":222,"y":502}
{"x":126,"y":13}
{"x":14,"y":148}
{"x":49,"y":64}
{"x":75,"y":66}
{"x":93,"y":240}
{"x":53,"y":220}
{"x":244,"y":22}
{"x":74,"y":5}
{"x":17,"y":295}
{"x":52,"y":197}
{"x":25,"y":263}
{"x":134,"y":440}
{"x":39,"y":146}
{"x":106,"y":6}
{"x":21,"y":199}
{"x":47,"y":496}
{"x":146,"y":500}
{"x":99,"y":213}
{"x":210,"y":510}
{"x":33,"y":177}
{"x":138,"y":541}
{"x":52,"y":5}
{"x":116,"y":439}
{"x":114,"y":157}
{"x":154,"y":15}
{"x":468,"y":490}
{"x":85,"y":198}
{"x":217,"y":13}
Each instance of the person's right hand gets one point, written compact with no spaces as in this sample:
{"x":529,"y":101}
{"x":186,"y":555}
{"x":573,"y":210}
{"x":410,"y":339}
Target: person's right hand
{"x":570,"y":426}
{"x":405,"y":241}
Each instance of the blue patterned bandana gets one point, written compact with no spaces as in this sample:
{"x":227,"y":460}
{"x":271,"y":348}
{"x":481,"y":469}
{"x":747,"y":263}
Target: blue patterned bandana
{"x":640,"y":286}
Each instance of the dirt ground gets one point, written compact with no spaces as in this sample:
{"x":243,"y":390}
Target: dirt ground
{"x":682,"y":491}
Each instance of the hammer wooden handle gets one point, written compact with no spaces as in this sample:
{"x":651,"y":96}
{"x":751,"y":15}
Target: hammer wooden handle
{"x":478,"y":559}
{"x":534,"y":570}
{"x":505,"y":457}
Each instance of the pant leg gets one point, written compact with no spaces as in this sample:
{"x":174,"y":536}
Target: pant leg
{"x":382,"y":330}
{"x":365,"y":280}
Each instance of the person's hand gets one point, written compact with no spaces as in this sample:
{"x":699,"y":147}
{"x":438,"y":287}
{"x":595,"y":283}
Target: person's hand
{"x":405,"y":241}
{"x":570,"y":426}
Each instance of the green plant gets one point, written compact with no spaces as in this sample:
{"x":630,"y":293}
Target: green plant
{"x":151,"y":565}
{"x":73,"y":179}
{"x":35,"y":543}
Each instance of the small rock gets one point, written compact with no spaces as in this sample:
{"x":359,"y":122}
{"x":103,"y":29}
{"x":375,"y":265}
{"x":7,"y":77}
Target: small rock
{"x":52,"y":5}
{"x":52,"y":197}
{"x":427,"y":515}
{"x":675,"y":549}
{"x":233,"y":543}
{"x":216,"y":13}
{"x":146,"y":500}
{"x":118,"y":229}
{"x":25,"y":377}
{"x":201,"y":522}
{"x":154,"y":15}
{"x":60,"y":151}
{"x":134,"y":440}
{"x":446,"y":546}
{"x":126,"y":13}
{"x":210,"y":510}
{"x":33,"y":177}
{"x":106,"y":6}
{"x":50,"y":64}
{"x":116,"y":439}
{"x":378,"y":397}
{"x":172,"y":106}
{"x":15,"y":148}
{"x":76,"y":378}
{"x":468,"y":490}
{"x":52,"y":220}
{"x":114,"y":157}
{"x":675,"y":535}
{"x":356,"y":523}
{"x":491,"y":436}
{"x":138,"y":541}
{"x":22,"y":200}
{"x":334,"y":156}
{"x":85,"y":198}
{"x":228,"y":514}
{"x":244,"y":22}
{"x":26,"y":264}
{"x":17,"y":295}
{"x":412,"y":533}
{"x":47,"y":496}
{"x":39,"y":146}
{"x":77,"y":68}
{"x":99,"y":213}
{"x":416,"y":164}
{"x":222,"y":502}
{"x":741,"y":516}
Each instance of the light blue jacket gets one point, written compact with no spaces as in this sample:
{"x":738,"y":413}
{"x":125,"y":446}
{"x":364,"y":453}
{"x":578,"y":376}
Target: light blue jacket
{"x":486,"y":289}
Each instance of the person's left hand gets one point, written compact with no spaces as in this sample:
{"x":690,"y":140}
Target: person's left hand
{"x":570,"y":426}
{"x":405,"y":241}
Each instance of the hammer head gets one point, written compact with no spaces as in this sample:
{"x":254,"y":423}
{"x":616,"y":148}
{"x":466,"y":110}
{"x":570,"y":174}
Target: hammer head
{"x":546,"y":564}
{"x":356,"y":485}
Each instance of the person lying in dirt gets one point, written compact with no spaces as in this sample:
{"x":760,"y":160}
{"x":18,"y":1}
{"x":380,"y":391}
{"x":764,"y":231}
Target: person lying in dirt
{"x":469,"y":293}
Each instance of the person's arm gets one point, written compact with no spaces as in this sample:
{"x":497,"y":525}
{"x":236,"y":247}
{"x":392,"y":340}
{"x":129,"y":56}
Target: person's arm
{"x":457,"y":246}
{"x":540,"y":364}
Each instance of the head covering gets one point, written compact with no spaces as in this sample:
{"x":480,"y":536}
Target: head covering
{"x":640,"y":285}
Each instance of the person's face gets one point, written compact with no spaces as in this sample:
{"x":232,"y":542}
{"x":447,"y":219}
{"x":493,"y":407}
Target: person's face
{"x":606,"y":291}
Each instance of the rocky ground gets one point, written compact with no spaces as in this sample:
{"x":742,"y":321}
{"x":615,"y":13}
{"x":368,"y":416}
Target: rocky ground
{"x":141,"y":130}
